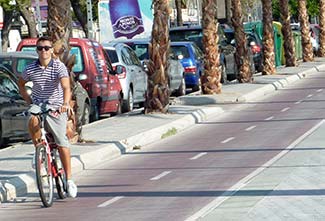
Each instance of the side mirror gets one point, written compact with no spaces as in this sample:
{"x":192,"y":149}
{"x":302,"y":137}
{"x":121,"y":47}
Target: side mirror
{"x":119,"y":69}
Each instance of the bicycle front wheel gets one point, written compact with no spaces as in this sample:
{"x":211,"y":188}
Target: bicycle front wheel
{"x":44,"y":176}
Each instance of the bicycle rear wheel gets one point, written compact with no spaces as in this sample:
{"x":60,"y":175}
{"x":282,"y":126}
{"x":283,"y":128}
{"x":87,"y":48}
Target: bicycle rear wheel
{"x":44,"y":176}
{"x":60,"y":179}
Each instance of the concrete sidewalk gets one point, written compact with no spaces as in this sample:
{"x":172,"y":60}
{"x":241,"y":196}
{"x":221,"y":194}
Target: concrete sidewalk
{"x":111,"y":137}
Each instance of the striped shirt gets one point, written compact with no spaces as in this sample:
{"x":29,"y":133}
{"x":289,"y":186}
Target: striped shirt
{"x":47,"y":88}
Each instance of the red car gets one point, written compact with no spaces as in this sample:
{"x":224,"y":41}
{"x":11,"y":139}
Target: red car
{"x":94,"y":71}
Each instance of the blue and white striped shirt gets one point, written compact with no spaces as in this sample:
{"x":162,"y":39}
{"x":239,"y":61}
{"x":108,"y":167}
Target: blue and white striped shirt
{"x":47,"y":88}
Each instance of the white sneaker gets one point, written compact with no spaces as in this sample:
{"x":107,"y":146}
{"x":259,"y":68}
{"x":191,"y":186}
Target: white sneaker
{"x":72,"y":189}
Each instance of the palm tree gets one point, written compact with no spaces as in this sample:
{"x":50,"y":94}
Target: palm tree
{"x":268,"y":39}
{"x":322,"y":28}
{"x":307,"y":48}
{"x":289,"y":50}
{"x":211,"y":77}
{"x":59,"y":29}
{"x":179,"y":18}
{"x":242,"y":59}
{"x":157,"y":99}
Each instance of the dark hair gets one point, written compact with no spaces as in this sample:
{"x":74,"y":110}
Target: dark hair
{"x":44,"y":38}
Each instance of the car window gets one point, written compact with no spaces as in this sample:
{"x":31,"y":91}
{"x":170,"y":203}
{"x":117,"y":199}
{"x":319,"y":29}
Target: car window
{"x":126,"y":56}
{"x":197,"y":51}
{"x":108,"y":62}
{"x":180,"y":50}
{"x":79,"y":65}
{"x":22,"y":63}
{"x":135,"y":60}
{"x":141,"y":50}
{"x":112,"y":55}
{"x":7,"y":86}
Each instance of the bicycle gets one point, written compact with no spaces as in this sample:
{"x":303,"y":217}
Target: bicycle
{"x":47,"y":163}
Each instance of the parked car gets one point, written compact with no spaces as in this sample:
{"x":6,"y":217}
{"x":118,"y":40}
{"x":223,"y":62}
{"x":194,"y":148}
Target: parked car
{"x":13,"y":117}
{"x":133,"y":77}
{"x":191,"y":58}
{"x":176,"y":78}
{"x":227,"y":51}
{"x":94,"y":71}
{"x":18,"y":60}
{"x":256,"y":48}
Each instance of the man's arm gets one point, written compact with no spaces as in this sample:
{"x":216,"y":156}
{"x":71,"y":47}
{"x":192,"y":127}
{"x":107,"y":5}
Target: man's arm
{"x":23,"y":91}
{"x":65,"y":84}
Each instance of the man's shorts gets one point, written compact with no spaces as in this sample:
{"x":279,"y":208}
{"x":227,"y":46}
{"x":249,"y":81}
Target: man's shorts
{"x":57,"y":126}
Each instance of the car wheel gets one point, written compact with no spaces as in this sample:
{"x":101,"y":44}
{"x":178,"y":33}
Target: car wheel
{"x":182,"y":88}
{"x":86,"y":115}
{"x":128,"y":104}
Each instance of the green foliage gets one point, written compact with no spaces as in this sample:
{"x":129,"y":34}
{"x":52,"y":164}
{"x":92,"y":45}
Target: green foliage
{"x":312,"y":8}
{"x":83,"y":6}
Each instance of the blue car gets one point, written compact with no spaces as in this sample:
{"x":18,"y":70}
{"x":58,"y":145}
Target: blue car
{"x":191,"y":57}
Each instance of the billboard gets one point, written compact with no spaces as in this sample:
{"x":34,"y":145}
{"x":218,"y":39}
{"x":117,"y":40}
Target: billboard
{"x":124,"y":19}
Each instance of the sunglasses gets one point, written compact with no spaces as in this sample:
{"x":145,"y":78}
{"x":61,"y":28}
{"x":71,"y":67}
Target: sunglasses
{"x":40,"y":48}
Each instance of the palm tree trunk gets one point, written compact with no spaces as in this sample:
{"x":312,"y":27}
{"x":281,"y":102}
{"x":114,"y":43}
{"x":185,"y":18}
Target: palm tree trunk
{"x":307,"y":48}
{"x":268,"y":39}
{"x":241,"y":55}
{"x":157,"y":99}
{"x":211,"y":77}
{"x":321,"y":51}
{"x":289,"y":50}
{"x":59,"y":29}
{"x":179,"y":18}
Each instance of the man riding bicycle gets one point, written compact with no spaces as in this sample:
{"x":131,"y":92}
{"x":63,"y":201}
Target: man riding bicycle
{"x":51,"y":87}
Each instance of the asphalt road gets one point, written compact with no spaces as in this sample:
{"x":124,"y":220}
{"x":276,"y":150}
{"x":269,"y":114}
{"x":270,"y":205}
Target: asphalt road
{"x":176,"y":178}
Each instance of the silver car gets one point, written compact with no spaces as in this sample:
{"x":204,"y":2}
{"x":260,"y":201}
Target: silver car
{"x":176,"y":78}
{"x":133,"y":79}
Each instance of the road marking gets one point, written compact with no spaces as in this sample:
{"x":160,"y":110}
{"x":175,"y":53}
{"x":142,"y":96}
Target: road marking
{"x":285,"y":109}
{"x":243,"y":182}
{"x":160,"y":175}
{"x":109,"y":202}
{"x":198,"y":156}
{"x":227,"y":140}
{"x":298,"y":102}
{"x":319,"y":90}
{"x":250,"y":128}
{"x":310,"y":95}
{"x":269,"y":118}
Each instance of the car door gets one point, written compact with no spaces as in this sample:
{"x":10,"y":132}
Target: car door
{"x":13,"y":108}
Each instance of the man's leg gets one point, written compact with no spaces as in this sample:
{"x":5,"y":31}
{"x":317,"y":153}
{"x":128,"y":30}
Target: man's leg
{"x":34,"y":129}
{"x":66,"y":160}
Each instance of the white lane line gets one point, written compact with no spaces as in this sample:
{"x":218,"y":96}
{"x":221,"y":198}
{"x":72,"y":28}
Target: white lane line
{"x":160,"y":175}
{"x":227,"y":140}
{"x":198,"y":156}
{"x":235,"y":188}
{"x":285,"y":109}
{"x":250,"y":128}
{"x":269,"y":118}
{"x":109,"y":202}
{"x":319,"y":90}
{"x":310,"y":95}
{"x":298,"y":102}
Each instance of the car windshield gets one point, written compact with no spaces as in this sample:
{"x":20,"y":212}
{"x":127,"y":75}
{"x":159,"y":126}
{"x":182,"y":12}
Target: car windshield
{"x":141,"y":50}
{"x":180,"y":50}
{"x":79,"y":65}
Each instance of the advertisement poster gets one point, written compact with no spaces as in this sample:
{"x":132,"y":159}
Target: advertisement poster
{"x":125,"y":19}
